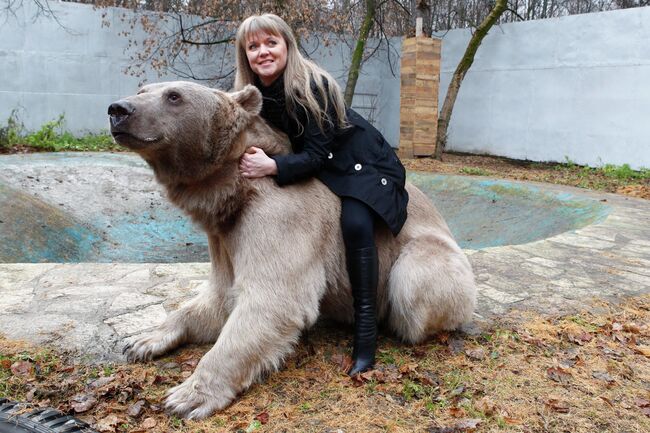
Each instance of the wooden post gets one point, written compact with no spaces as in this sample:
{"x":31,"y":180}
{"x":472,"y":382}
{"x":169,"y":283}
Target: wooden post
{"x":420,"y":79}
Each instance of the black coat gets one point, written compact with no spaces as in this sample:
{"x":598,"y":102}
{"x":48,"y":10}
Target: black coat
{"x":353,"y":162}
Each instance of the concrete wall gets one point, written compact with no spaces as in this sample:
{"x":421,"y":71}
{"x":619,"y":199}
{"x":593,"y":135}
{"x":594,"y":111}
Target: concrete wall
{"x":576,"y":87}
{"x":47,"y":70}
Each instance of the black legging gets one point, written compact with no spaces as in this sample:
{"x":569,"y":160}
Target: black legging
{"x":357,"y":224}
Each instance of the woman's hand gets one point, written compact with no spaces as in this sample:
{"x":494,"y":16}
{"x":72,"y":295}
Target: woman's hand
{"x":255,"y":163}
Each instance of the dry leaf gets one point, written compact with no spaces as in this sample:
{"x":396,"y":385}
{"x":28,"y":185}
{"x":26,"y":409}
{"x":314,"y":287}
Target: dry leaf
{"x":457,"y":412}
{"x":107,"y":424}
{"x":606,"y":400}
{"x":557,"y":405}
{"x":263,"y":417}
{"x":343,"y":361}
{"x":22,"y":368}
{"x":476,"y":354}
{"x":581,"y":338}
{"x":135,"y":410}
{"x":642,"y":402}
{"x":603,"y":375}
{"x":408,"y":368}
{"x":83,"y":402}
{"x":468,"y":424}
{"x":643,"y":350}
{"x":486,"y":406}
{"x":512,"y":421}
{"x":559,"y":375}
{"x":149,"y":423}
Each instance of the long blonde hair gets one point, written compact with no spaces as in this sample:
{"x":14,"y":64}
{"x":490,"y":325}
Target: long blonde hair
{"x":299,"y":73}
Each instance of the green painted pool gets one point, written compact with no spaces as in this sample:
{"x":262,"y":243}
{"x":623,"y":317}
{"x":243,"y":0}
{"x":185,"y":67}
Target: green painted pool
{"x":107,"y":208}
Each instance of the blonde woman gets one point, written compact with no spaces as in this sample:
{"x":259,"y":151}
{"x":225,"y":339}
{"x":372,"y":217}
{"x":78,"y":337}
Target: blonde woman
{"x":331,"y":143}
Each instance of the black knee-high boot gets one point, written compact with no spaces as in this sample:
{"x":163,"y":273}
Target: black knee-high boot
{"x":363,"y":269}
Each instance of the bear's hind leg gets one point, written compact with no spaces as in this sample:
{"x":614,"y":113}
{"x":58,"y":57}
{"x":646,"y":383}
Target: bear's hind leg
{"x":430,"y":288}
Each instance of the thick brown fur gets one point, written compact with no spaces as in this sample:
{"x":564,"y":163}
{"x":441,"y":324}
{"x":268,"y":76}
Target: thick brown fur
{"x":277,"y":253}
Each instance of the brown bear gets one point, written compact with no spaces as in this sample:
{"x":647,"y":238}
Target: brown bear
{"x":277,"y":253}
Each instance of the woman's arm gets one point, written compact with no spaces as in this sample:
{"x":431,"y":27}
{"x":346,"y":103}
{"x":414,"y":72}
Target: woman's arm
{"x":302,"y":165}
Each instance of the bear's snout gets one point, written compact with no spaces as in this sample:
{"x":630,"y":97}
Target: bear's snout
{"x":119,"y":111}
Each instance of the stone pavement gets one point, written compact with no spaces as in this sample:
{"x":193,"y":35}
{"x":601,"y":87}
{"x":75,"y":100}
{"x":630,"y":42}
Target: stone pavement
{"x":93,"y":308}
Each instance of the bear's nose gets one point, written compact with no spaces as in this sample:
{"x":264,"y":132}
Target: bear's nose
{"x":119,"y":111}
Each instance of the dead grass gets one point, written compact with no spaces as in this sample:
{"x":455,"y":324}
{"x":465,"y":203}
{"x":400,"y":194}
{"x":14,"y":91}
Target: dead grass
{"x":587,"y":372}
{"x":608,"y":179}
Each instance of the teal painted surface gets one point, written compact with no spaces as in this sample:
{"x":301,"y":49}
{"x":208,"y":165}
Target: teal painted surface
{"x":480,"y":213}
{"x":485,"y":213}
{"x":35,"y":232}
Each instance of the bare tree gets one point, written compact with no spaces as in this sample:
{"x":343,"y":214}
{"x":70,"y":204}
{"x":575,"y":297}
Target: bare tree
{"x":459,"y":74}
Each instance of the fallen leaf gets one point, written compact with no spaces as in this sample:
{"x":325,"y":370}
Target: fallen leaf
{"x":606,"y":400}
{"x":581,"y":338}
{"x":408,"y":368}
{"x":428,"y":378}
{"x":512,"y":421}
{"x":559,"y":375}
{"x":457,"y":412}
{"x":476,"y":354}
{"x":632,"y":327}
{"x":557,"y":405}
{"x":190,"y":364}
{"x":643,"y":350}
{"x":6,"y":364}
{"x":343,"y":361}
{"x":567,"y":363}
{"x":614,"y":354}
{"x":135,"y":410}
{"x":22,"y":368}
{"x":456,"y":345}
{"x":468,"y":424}
{"x":263,"y":417}
{"x":149,"y":423}
{"x":83,"y":402}
{"x":107,"y":424}
{"x":642,"y":402}
{"x":603,"y":375}
{"x":101,"y":382}
{"x":485,"y":405}
{"x":457,"y":391}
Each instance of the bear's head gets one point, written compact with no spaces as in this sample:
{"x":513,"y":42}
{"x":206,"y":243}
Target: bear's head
{"x":184,"y":130}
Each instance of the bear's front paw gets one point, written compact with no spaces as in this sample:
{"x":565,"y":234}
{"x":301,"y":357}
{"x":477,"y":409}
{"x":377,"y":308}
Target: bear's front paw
{"x":196,"y":398}
{"x":149,"y":346}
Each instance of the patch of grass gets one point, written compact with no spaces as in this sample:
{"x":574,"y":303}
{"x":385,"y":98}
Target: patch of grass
{"x":475,"y":171}
{"x":11,"y":133}
{"x":52,"y":137}
{"x":624,"y":172}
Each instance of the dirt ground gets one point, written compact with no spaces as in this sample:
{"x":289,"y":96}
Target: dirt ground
{"x":565,"y":174}
{"x":587,"y":372}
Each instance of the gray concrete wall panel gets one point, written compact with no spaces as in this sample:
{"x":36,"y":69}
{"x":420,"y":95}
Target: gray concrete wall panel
{"x":77,"y":70}
{"x":574,"y":87}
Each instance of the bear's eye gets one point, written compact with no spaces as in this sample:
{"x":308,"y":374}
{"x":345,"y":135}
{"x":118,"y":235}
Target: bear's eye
{"x":174,"y":97}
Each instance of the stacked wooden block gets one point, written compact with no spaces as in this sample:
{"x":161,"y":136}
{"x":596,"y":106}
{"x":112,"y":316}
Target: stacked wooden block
{"x":420,"y":79}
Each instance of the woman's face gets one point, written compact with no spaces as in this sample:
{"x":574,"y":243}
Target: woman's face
{"x":267,"y":55}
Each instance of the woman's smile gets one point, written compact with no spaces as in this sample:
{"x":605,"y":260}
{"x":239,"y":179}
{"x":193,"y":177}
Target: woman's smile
{"x":267,"y":56}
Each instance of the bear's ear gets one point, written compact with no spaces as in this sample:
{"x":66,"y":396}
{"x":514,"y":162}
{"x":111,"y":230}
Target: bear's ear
{"x":250,"y":98}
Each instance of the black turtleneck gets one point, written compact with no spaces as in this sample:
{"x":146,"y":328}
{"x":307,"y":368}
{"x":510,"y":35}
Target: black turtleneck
{"x":274,"y":106}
